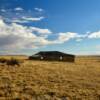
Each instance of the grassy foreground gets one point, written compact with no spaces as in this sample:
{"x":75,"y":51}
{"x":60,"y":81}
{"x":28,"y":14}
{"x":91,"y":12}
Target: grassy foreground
{"x":42,"y":80}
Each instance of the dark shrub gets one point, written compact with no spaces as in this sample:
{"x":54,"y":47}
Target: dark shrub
{"x":3,"y":60}
{"x":13,"y":62}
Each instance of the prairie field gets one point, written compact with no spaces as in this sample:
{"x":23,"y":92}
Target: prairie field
{"x":46,"y":80}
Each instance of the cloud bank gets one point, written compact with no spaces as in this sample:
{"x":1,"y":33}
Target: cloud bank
{"x":16,"y":36}
{"x":19,"y":36}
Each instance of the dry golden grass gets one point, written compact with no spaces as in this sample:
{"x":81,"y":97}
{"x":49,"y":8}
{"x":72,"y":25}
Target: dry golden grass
{"x":21,"y":57}
{"x":42,"y":80}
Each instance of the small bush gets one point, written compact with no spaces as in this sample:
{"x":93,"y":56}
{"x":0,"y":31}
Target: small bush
{"x":13,"y":62}
{"x":3,"y":60}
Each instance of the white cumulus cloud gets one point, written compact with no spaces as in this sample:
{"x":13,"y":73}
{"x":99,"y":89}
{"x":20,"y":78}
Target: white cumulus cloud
{"x":67,"y":36}
{"x":33,"y":19}
{"x":27,"y":19}
{"x":94,"y":35}
{"x":15,"y":36}
{"x":41,"y":31}
{"x":18,"y":9}
{"x":38,"y":9}
{"x":3,"y":10}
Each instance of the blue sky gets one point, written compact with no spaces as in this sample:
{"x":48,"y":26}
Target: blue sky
{"x":29,"y":26}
